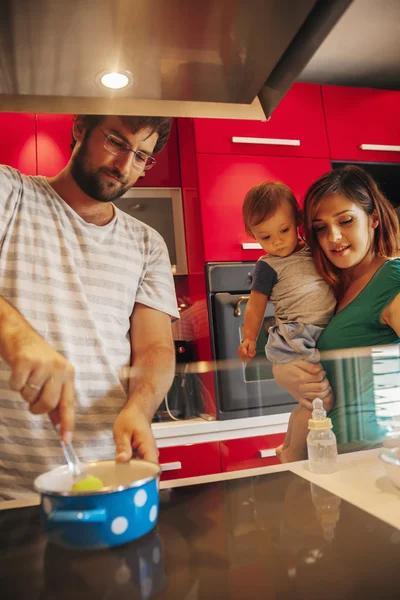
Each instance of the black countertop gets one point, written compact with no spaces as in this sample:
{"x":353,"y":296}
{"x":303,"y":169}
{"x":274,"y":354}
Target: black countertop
{"x":270,"y":537}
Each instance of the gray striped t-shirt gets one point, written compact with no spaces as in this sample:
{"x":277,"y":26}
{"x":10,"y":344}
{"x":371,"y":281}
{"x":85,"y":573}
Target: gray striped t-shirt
{"x":77,"y":284}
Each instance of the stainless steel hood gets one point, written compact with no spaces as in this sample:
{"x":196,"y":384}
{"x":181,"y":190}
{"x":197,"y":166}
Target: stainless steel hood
{"x":187,"y":57}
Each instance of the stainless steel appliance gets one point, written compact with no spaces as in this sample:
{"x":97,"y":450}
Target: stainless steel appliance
{"x":214,"y":58}
{"x":161,"y":208}
{"x":241,"y":390}
{"x":185,"y":398}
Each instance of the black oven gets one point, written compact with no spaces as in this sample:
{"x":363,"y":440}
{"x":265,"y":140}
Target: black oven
{"x":241,"y":390}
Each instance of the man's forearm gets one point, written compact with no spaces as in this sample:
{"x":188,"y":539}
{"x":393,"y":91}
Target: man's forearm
{"x":13,"y":327}
{"x":8,"y":314}
{"x":151,"y":378}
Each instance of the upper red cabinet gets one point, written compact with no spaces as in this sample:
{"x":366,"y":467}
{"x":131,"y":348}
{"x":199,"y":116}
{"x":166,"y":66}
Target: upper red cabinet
{"x":362,"y":123}
{"x":17,"y":142}
{"x":223,"y":184}
{"x":296,"y":128}
{"x":166,"y":172}
{"x":53,"y":143}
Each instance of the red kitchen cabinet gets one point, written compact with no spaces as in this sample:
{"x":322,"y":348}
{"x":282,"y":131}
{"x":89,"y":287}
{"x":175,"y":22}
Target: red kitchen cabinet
{"x":18,"y":141}
{"x":166,"y":171}
{"x":250,"y":453}
{"x":53,"y":143}
{"x":190,"y":460}
{"x":296,"y":128}
{"x":223,"y":183}
{"x":357,"y":118}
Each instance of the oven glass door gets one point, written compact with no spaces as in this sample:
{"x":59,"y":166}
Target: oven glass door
{"x":259,"y":369}
{"x":249,"y":390}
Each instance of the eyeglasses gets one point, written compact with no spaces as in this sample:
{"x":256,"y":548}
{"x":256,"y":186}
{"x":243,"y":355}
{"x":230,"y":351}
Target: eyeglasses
{"x":118,"y":147}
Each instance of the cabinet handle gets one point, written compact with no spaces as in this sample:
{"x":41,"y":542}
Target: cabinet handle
{"x":251,"y":246}
{"x":172,"y":466}
{"x":265,"y":141}
{"x":267,"y":453}
{"x":381,"y":147}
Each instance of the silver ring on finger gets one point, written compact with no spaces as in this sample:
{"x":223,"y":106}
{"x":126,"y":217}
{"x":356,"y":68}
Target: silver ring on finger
{"x":33,"y":386}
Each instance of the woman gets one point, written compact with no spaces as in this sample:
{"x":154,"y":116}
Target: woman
{"x":353,"y":232}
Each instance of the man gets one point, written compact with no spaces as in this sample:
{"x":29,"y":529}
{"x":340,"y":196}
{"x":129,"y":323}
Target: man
{"x":86,"y":290}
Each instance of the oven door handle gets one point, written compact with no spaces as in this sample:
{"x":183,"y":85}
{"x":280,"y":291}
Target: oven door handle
{"x":237,"y":310}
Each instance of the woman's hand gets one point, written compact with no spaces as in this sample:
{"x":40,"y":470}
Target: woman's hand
{"x":303,"y":380}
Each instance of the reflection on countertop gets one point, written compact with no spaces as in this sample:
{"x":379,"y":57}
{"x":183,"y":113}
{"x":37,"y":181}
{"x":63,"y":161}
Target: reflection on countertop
{"x":268,"y":536}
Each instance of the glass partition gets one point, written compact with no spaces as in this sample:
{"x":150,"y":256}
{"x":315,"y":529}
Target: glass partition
{"x":365,"y":382}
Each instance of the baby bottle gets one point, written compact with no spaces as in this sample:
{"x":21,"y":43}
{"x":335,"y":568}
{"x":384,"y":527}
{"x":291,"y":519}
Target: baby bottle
{"x":321,"y":441}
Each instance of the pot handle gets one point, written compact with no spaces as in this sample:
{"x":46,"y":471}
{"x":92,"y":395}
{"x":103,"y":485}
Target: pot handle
{"x":95,"y":515}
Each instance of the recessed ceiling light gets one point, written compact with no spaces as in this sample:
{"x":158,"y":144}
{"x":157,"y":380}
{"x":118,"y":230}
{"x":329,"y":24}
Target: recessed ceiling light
{"x":114,"y":80}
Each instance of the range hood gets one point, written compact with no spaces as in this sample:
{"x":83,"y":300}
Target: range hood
{"x":202,"y":58}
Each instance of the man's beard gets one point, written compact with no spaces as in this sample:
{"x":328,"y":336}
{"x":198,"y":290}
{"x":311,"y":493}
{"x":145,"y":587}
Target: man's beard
{"x":91,"y":182}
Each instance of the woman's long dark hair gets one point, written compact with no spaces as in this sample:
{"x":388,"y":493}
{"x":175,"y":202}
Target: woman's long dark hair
{"x":358,"y":186}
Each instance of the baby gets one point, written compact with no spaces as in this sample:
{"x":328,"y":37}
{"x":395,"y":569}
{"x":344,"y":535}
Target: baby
{"x":303,"y":301}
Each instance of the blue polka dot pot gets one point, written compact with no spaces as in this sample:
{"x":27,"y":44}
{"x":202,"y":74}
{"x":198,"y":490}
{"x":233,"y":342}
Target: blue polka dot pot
{"x":125,"y":509}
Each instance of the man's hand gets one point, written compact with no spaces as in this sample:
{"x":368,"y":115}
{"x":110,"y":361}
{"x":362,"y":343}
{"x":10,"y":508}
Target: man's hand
{"x":153,"y":359}
{"x":304,"y":381}
{"x":43,"y":377}
{"x":133,"y":436}
{"x":247,"y":350}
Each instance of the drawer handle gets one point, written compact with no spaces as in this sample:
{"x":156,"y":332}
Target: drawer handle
{"x":172,"y":466}
{"x":267,"y":453}
{"x":380,"y":147}
{"x":265,"y":141}
{"x":251,"y":246}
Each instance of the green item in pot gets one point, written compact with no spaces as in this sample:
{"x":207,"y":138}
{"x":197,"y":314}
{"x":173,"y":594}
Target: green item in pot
{"x":88,"y":484}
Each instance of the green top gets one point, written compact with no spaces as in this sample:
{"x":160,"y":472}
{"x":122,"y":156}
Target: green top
{"x":363,"y":410}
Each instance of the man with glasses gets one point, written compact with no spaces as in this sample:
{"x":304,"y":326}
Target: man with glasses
{"x":86,"y":291}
